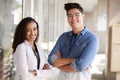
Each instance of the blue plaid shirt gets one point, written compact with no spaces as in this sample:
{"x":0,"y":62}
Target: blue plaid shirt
{"x":83,"y":46}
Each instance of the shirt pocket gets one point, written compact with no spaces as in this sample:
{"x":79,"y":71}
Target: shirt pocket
{"x":80,"y":45}
{"x":77,"y":50}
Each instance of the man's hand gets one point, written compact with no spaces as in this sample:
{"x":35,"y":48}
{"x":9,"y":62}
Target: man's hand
{"x":67,"y":68}
{"x":62,"y":61}
{"x":58,"y":54}
{"x":87,"y":68}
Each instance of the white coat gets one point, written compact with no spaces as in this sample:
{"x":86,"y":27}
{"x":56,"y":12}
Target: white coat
{"x":24,"y":60}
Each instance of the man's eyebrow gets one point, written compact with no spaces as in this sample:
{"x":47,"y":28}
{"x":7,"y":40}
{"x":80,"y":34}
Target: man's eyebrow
{"x":74,"y":13}
{"x":77,"y":13}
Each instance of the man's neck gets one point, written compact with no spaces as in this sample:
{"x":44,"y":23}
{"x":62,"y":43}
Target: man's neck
{"x":76,"y":31}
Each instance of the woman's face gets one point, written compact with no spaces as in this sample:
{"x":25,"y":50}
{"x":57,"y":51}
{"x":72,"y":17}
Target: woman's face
{"x":31,"y":31}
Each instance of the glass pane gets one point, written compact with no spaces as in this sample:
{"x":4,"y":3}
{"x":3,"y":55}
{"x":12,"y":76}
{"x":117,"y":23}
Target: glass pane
{"x":11,"y":14}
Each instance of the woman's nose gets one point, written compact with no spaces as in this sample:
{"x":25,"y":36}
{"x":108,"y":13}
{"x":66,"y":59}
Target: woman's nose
{"x":32,"y":32}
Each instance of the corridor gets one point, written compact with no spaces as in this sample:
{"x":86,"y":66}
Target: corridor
{"x":102,"y":17}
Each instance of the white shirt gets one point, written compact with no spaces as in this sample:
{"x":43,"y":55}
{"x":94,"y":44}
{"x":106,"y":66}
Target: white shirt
{"x":24,"y":60}
{"x":84,"y":75}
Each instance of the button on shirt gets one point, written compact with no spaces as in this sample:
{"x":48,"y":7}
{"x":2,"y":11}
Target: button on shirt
{"x":83,"y":46}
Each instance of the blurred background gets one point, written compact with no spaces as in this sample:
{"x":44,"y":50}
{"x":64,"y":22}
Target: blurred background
{"x":102,"y":17}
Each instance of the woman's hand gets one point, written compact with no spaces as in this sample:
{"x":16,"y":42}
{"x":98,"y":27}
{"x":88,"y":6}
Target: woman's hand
{"x":34,"y":72}
{"x":46,"y":66}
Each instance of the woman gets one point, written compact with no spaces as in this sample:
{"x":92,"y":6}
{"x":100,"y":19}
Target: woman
{"x":29,"y":59}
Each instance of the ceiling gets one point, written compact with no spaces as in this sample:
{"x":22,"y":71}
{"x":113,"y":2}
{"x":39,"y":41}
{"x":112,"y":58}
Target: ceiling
{"x":88,"y":5}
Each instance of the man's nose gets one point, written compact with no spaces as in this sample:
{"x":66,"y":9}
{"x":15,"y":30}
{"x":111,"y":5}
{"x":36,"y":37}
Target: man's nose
{"x":74,"y":17}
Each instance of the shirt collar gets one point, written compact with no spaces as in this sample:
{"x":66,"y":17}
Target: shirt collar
{"x":26,"y":42}
{"x":82,"y":32}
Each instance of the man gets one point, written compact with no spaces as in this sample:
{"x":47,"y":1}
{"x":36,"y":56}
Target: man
{"x":75,"y":50}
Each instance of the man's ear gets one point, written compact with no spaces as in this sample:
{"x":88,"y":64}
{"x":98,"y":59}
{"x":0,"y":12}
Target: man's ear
{"x":83,"y":16}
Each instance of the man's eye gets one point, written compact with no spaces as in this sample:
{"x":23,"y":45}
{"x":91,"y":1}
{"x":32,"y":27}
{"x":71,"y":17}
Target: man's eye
{"x":70,"y":15}
{"x":77,"y":14}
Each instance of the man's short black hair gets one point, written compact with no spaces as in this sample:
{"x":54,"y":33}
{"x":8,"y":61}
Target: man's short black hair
{"x":69,"y":6}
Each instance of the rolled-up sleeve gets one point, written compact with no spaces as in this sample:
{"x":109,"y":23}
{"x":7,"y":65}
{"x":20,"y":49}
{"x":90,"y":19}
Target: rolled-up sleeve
{"x":87,"y":55}
{"x":52,"y":56}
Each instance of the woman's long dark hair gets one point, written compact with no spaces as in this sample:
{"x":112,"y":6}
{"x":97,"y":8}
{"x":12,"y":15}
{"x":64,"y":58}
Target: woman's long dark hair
{"x":20,"y":32}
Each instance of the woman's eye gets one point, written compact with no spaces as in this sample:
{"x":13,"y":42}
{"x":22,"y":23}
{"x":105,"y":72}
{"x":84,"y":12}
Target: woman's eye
{"x":27,"y":30}
{"x":35,"y":29}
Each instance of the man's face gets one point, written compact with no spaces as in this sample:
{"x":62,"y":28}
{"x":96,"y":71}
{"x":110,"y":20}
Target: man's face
{"x":75,"y":18}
